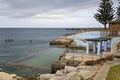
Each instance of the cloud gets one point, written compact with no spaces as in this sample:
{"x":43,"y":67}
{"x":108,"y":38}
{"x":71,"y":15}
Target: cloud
{"x":28,"y":8}
{"x":65,"y":13}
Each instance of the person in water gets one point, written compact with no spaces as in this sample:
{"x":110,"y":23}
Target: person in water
{"x":11,"y":40}
{"x":30,"y":41}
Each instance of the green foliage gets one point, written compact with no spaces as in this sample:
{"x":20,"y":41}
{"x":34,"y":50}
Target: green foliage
{"x":114,"y":73}
{"x":105,"y":12}
{"x":81,"y":78}
{"x":118,"y":10}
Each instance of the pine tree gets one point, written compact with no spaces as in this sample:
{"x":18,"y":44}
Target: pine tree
{"x":105,"y":12}
{"x":118,"y":10}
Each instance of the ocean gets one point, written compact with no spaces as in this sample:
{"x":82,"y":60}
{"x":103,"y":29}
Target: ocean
{"x":16,"y":43}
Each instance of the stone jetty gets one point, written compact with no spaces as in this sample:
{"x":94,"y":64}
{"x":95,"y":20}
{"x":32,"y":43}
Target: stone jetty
{"x":68,"y":42}
{"x":63,"y":40}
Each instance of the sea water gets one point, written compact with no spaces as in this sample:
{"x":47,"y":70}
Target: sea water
{"x":20,"y":42}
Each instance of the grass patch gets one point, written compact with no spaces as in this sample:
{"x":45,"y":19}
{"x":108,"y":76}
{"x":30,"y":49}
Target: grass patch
{"x":114,"y":73}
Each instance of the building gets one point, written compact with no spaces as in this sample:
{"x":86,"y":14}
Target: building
{"x":114,"y":27}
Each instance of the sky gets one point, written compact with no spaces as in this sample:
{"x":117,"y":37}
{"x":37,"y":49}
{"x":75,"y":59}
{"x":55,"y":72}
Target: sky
{"x":49,"y":13}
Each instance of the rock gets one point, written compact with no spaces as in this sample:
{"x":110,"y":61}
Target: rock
{"x":46,"y":76}
{"x":6,"y":76}
{"x":50,"y":77}
{"x":116,"y":55}
{"x":64,"y":71}
{"x":119,"y":50}
{"x":70,"y":69}
{"x":59,"y":73}
{"x":14,"y":76}
{"x":57,"y":66}
{"x":73,"y":63}
{"x":72,"y":76}
{"x":57,"y":78}
{"x":90,"y":62}
{"x":85,"y":73}
{"x":61,"y":41}
{"x":18,"y":78}
{"x":105,"y":54}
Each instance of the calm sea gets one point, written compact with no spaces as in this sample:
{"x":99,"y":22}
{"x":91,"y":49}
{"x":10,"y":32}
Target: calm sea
{"x":20,"y":42}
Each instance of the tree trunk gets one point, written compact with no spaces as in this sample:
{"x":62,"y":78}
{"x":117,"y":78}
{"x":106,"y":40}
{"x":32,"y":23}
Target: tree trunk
{"x":105,"y":32}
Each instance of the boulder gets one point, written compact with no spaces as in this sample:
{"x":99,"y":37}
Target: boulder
{"x":6,"y":76}
{"x":72,"y":76}
{"x":57,"y":78}
{"x":14,"y":76}
{"x":61,"y":41}
{"x":73,"y":63}
{"x":46,"y":76}
{"x":18,"y":78}
{"x":57,"y":66}
{"x":59,"y":73}
{"x":70,"y":69}
{"x":106,"y":54}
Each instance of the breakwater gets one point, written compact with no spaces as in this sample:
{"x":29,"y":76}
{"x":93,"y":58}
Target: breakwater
{"x":15,"y":63}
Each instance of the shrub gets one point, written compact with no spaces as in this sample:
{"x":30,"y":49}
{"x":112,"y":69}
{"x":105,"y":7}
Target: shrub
{"x":57,"y":66}
{"x":73,"y":63}
{"x":90,"y":63}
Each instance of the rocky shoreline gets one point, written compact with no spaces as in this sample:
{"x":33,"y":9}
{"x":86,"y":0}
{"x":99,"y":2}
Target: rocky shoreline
{"x":89,"y":70}
{"x":65,"y":41}
{"x":74,"y":68}
{"x":7,"y":76}
{"x":80,"y":70}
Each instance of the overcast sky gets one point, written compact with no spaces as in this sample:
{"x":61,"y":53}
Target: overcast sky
{"x":49,"y":13}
